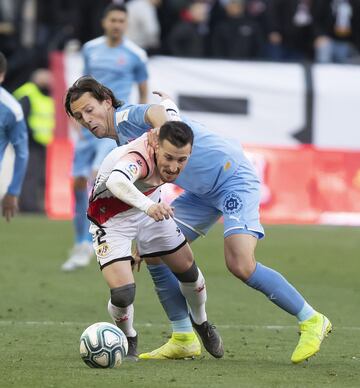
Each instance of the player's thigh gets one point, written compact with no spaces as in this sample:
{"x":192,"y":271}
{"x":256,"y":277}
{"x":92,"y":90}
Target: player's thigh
{"x":118,"y":274}
{"x":157,"y":239}
{"x":103,"y":147}
{"x":84,"y":154}
{"x":240,"y":208}
{"x":194,"y":215}
{"x":179,"y":261}
{"x":240,"y":255}
{"x":113,"y":243}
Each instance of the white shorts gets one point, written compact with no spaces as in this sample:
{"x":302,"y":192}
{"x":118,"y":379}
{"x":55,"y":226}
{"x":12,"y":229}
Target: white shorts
{"x":153,"y":238}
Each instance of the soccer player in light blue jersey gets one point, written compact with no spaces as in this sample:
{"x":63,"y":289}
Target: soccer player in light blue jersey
{"x":12,"y":130}
{"x":218,"y":181}
{"x":117,"y":63}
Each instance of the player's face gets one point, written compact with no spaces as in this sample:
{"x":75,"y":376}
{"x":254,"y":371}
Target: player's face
{"x":115,"y":24}
{"x":171,"y":160}
{"x":94,"y":115}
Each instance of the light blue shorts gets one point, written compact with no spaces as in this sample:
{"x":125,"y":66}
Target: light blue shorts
{"x":237,"y":202}
{"x":89,"y":153}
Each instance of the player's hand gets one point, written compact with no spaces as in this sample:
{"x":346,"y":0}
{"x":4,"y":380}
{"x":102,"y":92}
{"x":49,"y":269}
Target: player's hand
{"x":153,"y":139}
{"x":162,"y":95}
{"x":160,"y":211}
{"x":9,"y":206}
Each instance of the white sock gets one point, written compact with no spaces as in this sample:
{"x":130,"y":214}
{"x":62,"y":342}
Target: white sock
{"x":123,"y":318}
{"x":195,"y":295}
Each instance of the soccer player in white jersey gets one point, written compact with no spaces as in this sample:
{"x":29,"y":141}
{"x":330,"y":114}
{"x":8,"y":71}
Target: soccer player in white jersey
{"x":125,"y":205}
{"x":218,"y":181}
{"x":12,"y":131}
{"x":118,"y":63}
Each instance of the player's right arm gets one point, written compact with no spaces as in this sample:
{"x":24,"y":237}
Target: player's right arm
{"x":121,"y":184}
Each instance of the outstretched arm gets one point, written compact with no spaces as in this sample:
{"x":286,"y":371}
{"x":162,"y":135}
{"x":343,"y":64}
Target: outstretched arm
{"x":121,"y":184}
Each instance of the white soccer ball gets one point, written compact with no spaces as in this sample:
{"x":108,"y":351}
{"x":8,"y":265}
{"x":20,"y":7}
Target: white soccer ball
{"x":103,"y":345}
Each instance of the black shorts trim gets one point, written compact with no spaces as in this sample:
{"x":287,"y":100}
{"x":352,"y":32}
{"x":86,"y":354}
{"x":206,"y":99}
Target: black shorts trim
{"x":163,"y":253}
{"x":127,"y":258}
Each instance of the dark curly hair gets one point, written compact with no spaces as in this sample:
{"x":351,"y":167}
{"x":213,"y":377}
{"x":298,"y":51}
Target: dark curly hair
{"x":87,"y":84}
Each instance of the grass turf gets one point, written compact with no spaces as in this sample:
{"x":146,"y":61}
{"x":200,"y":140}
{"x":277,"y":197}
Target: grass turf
{"x":43,"y":312}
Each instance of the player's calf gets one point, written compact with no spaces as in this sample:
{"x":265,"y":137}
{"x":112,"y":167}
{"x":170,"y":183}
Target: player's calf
{"x":192,"y":285}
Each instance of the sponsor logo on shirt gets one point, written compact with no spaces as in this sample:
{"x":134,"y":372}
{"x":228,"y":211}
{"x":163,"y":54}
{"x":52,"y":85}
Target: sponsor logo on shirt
{"x":132,"y":170}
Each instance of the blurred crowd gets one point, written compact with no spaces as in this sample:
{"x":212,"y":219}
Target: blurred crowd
{"x":278,"y":30}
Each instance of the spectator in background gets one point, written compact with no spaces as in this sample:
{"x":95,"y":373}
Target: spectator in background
{"x":188,"y":37}
{"x":12,"y":130}
{"x":39,"y":110}
{"x":290,"y":30}
{"x":257,"y":11}
{"x":337,"y":30}
{"x":236,"y":37}
{"x":143,"y":24}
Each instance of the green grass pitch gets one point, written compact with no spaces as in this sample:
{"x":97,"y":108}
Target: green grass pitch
{"x":43,"y":312}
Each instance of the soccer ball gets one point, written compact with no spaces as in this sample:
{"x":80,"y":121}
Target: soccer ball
{"x":103,"y":345}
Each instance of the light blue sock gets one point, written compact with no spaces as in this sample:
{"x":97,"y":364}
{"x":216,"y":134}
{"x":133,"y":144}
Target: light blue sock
{"x":305,"y":313}
{"x":182,"y":326}
{"x":277,"y":289}
{"x":171,"y":298}
{"x":81,"y":223}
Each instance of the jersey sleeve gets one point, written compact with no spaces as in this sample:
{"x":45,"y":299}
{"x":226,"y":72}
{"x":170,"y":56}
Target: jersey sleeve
{"x":133,"y":166}
{"x":132,"y":118}
{"x":19,"y":140}
{"x":140,"y":72}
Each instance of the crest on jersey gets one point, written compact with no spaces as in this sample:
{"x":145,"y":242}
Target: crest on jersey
{"x":232,"y":203}
{"x":102,"y":250}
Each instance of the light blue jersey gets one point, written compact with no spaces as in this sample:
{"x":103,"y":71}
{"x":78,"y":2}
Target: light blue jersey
{"x":218,"y":179}
{"x":13,"y":130}
{"x":118,"y":68}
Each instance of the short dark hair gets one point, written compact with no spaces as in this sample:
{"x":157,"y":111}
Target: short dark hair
{"x":114,"y":7}
{"x":177,"y":133}
{"x":88,"y":84}
{"x":3,"y":63}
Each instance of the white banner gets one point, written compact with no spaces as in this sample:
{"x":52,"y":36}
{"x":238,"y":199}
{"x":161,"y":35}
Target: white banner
{"x":274,"y":95}
{"x":255,"y":102}
{"x":337,"y":106}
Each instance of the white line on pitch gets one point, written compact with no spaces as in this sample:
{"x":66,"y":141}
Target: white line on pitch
{"x":162,"y":325}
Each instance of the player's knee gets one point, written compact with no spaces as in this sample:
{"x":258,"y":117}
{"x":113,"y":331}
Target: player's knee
{"x":241,"y":267}
{"x":190,"y":275}
{"x":123,"y":296}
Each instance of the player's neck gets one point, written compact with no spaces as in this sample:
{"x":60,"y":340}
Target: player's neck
{"x":114,"y":42}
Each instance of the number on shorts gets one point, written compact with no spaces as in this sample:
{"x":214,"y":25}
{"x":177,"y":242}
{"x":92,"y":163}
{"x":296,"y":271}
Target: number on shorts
{"x":99,"y":234}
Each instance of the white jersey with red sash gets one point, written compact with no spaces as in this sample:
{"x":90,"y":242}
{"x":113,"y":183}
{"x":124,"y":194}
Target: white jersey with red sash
{"x":130,"y":160}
